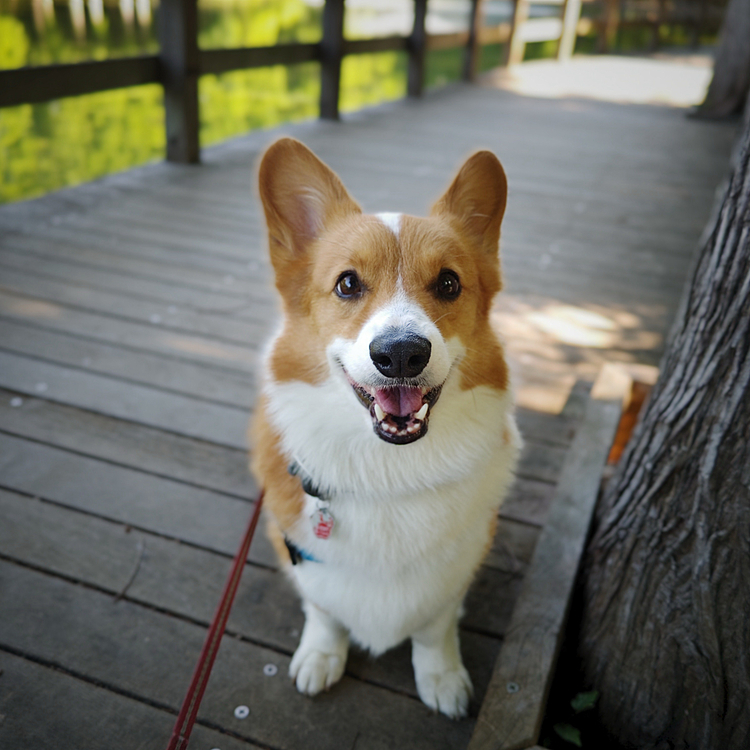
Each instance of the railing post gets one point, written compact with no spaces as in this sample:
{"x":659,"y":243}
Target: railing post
{"x":417,"y":50}
{"x":178,"y":34}
{"x":516,"y":45}
{"x":607,"y":37}
{"x":332,"y":52}
{"x":473,"y":45}
{"x":571,"y":14}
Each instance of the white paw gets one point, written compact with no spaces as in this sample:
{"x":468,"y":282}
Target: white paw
{"x":313,"y":670}
{"x":448,"y":692}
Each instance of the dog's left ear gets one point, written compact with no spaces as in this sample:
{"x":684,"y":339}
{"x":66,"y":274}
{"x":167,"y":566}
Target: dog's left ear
{"x":300,"y":196}
{"x":476,"y":199}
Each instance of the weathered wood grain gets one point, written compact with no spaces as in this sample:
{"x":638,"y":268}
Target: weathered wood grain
{"x":210,"y":292}
{"x":528,"y":501}
{"x":136,"y":306}
{"x":235,"y":390}
{"x":43,"y":707}
{"x":512,"y":711}
{"x":143,"y":652}
{"x":201,"y":517}
{"x":145,"y":449}
{"x":541,"y":461}
{"x":220,"y":424}
{"x":613,"y":195}
{"x":127,"y":334}
{"x":103,"y":554}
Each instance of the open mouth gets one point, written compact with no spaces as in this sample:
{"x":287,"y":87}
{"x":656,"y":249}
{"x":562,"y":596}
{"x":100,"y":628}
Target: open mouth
{"x":400,"y":413}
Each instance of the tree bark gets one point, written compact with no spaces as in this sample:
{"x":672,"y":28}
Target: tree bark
{"x":665,"y":633}
{"x":730,"y":84}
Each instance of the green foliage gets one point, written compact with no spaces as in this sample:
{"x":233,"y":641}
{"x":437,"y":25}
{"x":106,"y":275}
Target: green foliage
{"x":370,"y":79}
{"x":540,"y":50}
{"x":569,"y":734}
{"x":578,"y":727}
{"x":47,"y":146}
{"x":243,"y":100}
{"x":14,"y":43}
{"x":584,"y":701}
{"x":442,"y":67}
{"x":65,"y":142}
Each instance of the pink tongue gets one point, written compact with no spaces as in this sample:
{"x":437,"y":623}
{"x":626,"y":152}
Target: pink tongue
{"x":399,"y":401}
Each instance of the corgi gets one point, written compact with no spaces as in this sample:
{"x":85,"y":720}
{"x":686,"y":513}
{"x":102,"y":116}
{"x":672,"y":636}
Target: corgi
{"x":384,"y":436}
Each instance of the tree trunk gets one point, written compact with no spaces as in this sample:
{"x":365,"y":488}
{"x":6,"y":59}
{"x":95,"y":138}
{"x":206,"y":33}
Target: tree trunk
{"x":731,"y":80}
{"x":665,"y":636}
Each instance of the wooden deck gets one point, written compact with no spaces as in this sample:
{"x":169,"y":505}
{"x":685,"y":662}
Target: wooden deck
{"x":131,"y":315}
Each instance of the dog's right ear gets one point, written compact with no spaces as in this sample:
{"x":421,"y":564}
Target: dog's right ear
{"x":301,"y":196}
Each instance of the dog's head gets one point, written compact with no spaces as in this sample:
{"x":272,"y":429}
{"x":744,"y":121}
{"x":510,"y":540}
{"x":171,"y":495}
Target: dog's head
{"x":388,"y":304}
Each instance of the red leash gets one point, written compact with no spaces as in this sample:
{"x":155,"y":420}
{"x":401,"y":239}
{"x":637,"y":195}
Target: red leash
{"x":189,"y":711}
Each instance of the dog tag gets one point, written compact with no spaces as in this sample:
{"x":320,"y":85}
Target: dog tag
{"x":322,"y":522}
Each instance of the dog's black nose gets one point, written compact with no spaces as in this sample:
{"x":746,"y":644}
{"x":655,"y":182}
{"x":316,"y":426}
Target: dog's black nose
{"x":399,"y":355}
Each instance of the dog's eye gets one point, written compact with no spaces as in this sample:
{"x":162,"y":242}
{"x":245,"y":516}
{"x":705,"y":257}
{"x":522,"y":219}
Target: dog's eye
{"x":448,"y":286}
{"x":348,"y":285}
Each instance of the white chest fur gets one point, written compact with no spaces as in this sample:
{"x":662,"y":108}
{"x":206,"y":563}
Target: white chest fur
{"x":412,"y":521}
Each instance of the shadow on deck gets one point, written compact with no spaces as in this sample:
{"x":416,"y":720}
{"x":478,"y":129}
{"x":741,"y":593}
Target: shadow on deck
{"x":131,"y":315}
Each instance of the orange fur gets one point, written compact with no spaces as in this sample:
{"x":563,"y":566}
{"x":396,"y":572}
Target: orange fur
{"x":283,"y":493}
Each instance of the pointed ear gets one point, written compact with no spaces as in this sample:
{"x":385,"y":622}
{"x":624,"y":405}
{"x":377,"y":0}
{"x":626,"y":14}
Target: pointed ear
{"x":300,"y":196}
{"x":476,"y":199}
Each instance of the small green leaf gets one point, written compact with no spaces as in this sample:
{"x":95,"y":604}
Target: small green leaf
{"x":585,"y":701}
{"x":569,"y":734}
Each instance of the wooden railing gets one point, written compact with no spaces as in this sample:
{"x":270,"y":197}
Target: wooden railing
{"x":180,"y":62}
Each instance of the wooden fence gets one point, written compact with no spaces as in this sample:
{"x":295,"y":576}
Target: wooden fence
{"x":180,"y":62}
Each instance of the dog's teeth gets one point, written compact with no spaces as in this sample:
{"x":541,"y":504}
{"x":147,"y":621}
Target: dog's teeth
{"x":422,"y":413}
{"x":379,"y":413}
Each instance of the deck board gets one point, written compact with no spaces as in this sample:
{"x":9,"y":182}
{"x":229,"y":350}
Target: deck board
{"x":132,"y":314}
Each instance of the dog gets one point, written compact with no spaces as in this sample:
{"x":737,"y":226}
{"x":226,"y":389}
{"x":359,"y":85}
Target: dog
{"x":384,"y":435}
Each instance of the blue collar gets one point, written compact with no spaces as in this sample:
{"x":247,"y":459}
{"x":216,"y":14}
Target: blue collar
{"x":296,"y":554}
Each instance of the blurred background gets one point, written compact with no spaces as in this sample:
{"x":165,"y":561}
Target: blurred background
{"x":68,"y":141}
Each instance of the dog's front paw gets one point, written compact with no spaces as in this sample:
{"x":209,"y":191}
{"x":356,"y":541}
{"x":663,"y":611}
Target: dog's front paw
{"x":448,"y":692}
{"x":313,"y":670}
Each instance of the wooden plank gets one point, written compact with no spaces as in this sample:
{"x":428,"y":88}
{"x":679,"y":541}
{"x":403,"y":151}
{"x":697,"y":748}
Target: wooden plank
{"x":513,"y":546}
{"x":43,"y":707}
{"x":141,"y":308}
{"x":127,"y":334}
{"x":436,"y":42}
{"x":204,"y":518}
{"x":490,"y":600}
{"x":570,"y":17}
{"x":173,"y":412}
{"x":528,"y":501}
{"x":105,"y":641}
{"x":512,"y":711}
{"x":378,"y":44}
{"x":93,"y":262}
{"x":113,"y":229}
{"x":557,"y":429}
{"x":417,"y":51}
{"x":145,"y":449}
{"x":206,"y":384}
{"x":473,"y":43}
{"x":517,"y":44}
{"x":331,"y":54}
{"x":179,"y":65}
{"x":218,"y":61}
{"x":541,"y":461}
{"x":186,"y":581}
{"x":36,"y":84}
{"x":499,"y":34}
